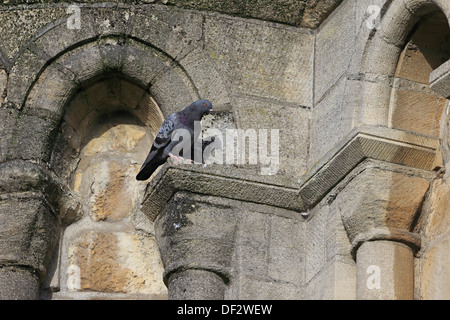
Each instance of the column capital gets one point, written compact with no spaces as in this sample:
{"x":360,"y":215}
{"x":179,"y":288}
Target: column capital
{"x":368,"y":142}
{"x":196,"y":237}
{"x":223,"y":181}
{"x":29,"y":216}
{"x":382,"y":201}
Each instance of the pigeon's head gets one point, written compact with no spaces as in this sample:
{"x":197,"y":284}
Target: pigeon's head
{"x":201,"y":107}
{"x":204,"y":106}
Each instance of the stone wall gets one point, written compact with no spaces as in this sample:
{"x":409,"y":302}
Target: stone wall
{"x":360,"y":101}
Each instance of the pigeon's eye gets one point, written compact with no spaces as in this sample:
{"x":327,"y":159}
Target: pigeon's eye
{"x":205,"y":104}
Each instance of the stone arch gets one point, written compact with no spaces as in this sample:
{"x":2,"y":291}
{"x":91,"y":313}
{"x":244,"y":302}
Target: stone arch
{"x":144,"y":65}
{"x":172,"y":33}
{"x":107,"y":129}
{"x":152,"y":84}
{"x":381,"y":63}
{"x":398,"y":91}
{"x":44,"y":105}
{"x":95,"y":99}
{"x":414,"y":105}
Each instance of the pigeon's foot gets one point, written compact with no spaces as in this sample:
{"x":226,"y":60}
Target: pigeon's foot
{"x":180,"y":159}
{"x":174,"y":157}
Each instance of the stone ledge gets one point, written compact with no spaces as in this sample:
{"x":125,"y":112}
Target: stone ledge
{"x":214,"y":181}
{"x":378,"y":143}
{"x":440,"y":80}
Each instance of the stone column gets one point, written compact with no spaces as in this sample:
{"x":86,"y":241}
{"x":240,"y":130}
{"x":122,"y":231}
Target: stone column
{"x":380,"y":206}
{"x":17,"y":283}
{"x":196,"y":284}
{"x":196,"y":241}
{"x":385,"y":271}
{"x":29,"y":229}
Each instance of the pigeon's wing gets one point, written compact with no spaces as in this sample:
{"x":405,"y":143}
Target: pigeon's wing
{"x":162,"y":139}
{"x":165,"y":132}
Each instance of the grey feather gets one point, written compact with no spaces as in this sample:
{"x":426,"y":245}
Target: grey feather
{"x":163,"y":144}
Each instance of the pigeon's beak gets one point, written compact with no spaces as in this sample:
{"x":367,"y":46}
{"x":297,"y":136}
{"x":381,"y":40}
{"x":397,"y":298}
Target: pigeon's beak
{"x":210,"y":111}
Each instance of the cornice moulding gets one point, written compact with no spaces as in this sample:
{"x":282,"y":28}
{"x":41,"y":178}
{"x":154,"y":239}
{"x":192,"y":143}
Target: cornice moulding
{"x":378,"y":143}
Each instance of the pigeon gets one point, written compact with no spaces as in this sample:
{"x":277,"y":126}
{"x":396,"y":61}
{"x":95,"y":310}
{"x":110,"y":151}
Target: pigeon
{"x":163,"y":144}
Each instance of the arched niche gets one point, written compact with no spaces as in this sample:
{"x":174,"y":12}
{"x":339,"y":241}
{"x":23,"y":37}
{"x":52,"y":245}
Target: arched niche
{"x":102,"y":108}
{"x":414,"y":106}
{"x":398,"y":61}
{"x":107,"y":245}
{"x":105,"y":135}
{"x":102,"y":104}
{"x":411,"y":45}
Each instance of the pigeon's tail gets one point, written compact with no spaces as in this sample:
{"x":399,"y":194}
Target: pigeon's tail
{"x":149,"y":166}
{"x":146,"y":171}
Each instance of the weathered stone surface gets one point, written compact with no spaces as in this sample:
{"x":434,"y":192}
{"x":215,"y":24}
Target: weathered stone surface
{"x":107,"y":20}
{"x":334,"y":43}
{"x":255,"y":288}
{"x":137,"y":64}
{"x":437,"y":221}
{"x":286,"y":257}
{"x":385,"y":271}
{"x":423,"y":53}
{"x":18,"y":284}
{"x":345,"y":157}
{"x":337,"y":243}
{"x":293,"y":138}
{"x":439,"y":80}
{"x":62,"y":37}
{"x":417,"y":111}
{"x":261,"y":67}
{"x":121,"y":138}
{"x":18,"y":26}
{"x":172,"y":89}
{"x":196,"y":235}
{"x":252,"y":249}
{"x":9,"y":116}
{"x":209,"y":81}
{"x":332,"y":120}
{"x":178,"y":32}
{"x":22,"y":176}
{"x":85,"y":62}
{"x":215,"y":180}
{"x":28,"y":233}
{"x":51,"y":90}
{"x":315,"y":257}
{"x":196,"y":285}
{"x":3,"y":83}
{"x":110,"y":190}
{"x":385,"y":208}
{"x":22,"y":74}
{"x":308,"y":14}
{"x":317,"y":11}
{"x":433,"y":271}
{"x":355,"y":115}
{"x":269,"y":248}
{"x":33,"y":138}
{"x":336,"y":281}
{"x":286,"y":12}
{"x":111,"y":200}
{"x":114,"y":262}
